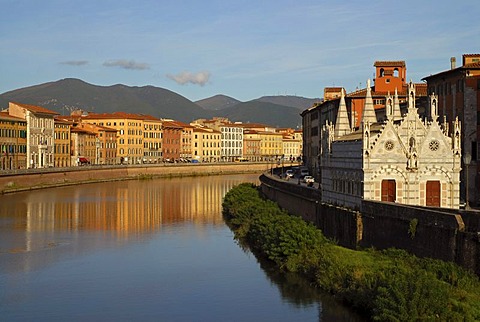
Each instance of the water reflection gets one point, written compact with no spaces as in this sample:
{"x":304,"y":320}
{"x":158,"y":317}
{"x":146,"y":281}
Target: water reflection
{"x":123,"y":208}
{"x":165,"y":239}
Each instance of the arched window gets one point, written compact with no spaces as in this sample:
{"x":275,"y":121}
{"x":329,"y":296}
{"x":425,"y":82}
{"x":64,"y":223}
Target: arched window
{"x":395,"y":72}
{"x":382,"y":72}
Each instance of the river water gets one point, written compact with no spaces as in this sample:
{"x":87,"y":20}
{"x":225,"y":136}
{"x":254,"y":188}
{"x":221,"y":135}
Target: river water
{"x":149,"y":250}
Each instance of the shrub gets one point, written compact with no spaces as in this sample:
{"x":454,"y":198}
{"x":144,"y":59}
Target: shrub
{"x":388,"y":285}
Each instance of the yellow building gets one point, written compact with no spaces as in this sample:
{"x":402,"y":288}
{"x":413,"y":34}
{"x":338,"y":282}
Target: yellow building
{"x":206,"y":144}
{"x":152,"y":139}
{"x":130,"y":127}
{"x":13,"y":142}
{"x":271,"y":147}
{"x":62,"y":150}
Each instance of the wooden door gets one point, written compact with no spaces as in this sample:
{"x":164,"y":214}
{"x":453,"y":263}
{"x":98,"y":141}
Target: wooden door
{"x":433,"y":194}
{"x":389,"y":190}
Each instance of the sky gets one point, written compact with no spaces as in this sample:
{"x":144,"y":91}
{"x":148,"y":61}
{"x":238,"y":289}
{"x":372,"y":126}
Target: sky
{"x":243,"y":48}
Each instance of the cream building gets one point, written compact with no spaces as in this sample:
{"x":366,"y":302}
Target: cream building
{"x":292,"y":146}
{"x":40,"y":133}
{"x":404,"y":159}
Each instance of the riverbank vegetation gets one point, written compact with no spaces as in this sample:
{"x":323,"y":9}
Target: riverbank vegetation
{"x":388,"y":285}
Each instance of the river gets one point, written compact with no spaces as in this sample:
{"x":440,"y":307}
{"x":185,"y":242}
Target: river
{"x":141,"y":250}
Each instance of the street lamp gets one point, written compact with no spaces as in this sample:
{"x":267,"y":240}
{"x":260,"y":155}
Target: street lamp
{"x":467,"y":158}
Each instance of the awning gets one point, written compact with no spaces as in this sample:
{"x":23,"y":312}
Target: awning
{"x":83,"y":160}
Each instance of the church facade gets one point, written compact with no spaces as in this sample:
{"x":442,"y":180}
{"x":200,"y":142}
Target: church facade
{"x":403,"y":159}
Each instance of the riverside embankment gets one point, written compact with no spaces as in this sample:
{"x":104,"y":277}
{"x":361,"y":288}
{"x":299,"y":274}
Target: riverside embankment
{"x":387,"y":285}
{"x":46,"y":178}
{"x":448,"y":234}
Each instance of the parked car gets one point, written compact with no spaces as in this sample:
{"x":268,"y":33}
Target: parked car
{"x":309,"y":180}
{"x":289,"y":174}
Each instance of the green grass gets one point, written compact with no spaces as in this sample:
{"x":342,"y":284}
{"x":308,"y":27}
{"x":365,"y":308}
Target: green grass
{"x":388,"y":285}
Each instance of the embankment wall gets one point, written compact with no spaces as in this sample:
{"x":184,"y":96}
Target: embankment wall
{"x":55,"y":178}
{"x":446,"y":234}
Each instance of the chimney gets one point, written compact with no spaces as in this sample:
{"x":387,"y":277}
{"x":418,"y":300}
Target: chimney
{"x":453,"y":62}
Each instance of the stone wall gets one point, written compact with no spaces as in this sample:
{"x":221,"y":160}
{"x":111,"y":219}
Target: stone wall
{"x":446,"y":234}
{"x":44,"y":178}
{"x":339,"y":224}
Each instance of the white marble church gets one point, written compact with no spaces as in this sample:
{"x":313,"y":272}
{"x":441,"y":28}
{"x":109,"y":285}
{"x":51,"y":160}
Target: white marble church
{"x":403,"y":159}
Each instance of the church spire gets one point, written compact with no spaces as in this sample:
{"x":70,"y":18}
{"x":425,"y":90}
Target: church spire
{"x":342,"y":125}
{"x":397,"y":115}
{"x":433,"y":107}
{"x":389,"y":106}
{"x":368,"y":109}
{"x":411,"y":97}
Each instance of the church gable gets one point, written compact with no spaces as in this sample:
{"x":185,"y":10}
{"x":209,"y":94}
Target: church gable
{"x":388,"y":143}
{"x":436,"y":143}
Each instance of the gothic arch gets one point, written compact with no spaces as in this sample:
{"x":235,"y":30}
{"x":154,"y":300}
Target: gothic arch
{"x":394,"y":170}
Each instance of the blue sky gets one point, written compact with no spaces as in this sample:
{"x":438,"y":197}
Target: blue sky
{"x":243,"y":49}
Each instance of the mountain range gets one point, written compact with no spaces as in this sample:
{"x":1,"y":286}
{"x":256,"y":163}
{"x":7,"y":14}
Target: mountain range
{"x":65,"y":95}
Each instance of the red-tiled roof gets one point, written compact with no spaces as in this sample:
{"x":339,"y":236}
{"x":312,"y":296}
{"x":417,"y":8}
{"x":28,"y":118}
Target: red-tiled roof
{"x":393,"y":63}
{"x":62,"y":120}
{"x":36,"y":109}
{"x":172,"y":123}
{"x":460,"y":69}
{"x":332,"y":89}
{"x":8,"y":117}
{"x":203,"y":130}
{"x":472,"y":65}
{"x":115,"y":115}
{"x":150,"y":118}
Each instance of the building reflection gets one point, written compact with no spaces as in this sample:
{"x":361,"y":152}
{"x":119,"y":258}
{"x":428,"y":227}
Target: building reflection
{"x":127,"y":209}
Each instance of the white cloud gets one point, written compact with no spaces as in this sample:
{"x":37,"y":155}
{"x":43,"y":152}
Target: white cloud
{"x":200,"y":78}
{"x":126,"y":64}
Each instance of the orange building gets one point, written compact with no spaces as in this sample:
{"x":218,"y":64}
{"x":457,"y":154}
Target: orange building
{"x":172,"y":137}
{"x":390,"y":77}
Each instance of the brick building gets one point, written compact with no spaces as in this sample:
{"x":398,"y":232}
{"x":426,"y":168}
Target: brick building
{"x":458,"y":91}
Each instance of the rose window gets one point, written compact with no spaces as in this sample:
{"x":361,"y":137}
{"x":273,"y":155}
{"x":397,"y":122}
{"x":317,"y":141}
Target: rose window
{"x":434,"y":145}
{"x":389,"y":145}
